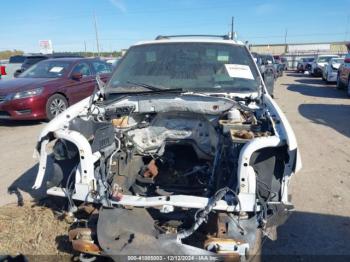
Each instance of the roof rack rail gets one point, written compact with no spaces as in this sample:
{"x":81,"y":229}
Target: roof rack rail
{"x":225,"y":37}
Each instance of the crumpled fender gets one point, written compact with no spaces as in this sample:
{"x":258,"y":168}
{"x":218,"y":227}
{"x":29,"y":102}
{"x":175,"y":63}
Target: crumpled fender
{"x":59,"y":122}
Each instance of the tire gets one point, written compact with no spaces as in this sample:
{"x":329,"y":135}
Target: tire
{"x":339,"y":84}
{"x":55,"y":105}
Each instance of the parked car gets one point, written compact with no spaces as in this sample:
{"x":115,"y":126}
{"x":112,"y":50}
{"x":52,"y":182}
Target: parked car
{"x":267,"y":71}
{"x":343,"y":78}
{"x":2,"y":70}
{"x":183,"y":151}
{"x":49,"y":87}
{"x":305,"y":64}
{"x":330,"y":71}
{"x":320,"y":62}
{"x":113,"y":61}
{"x":32,"y":59}
{"x":11,"y":66}
{"x":281,"y":61}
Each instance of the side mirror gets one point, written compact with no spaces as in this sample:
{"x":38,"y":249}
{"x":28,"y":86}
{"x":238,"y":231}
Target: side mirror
{"x":77,"y":76}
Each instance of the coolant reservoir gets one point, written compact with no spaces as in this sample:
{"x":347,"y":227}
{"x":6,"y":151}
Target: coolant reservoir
{"x":234,"y":116}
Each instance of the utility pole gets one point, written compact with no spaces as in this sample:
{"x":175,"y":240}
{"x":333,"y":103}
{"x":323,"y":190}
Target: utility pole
{"x":285,"y":36}
{"x":232,"y":27}
{"x":285,"y":41}
{"x":96,"y":32}
{"x":85,"y":47}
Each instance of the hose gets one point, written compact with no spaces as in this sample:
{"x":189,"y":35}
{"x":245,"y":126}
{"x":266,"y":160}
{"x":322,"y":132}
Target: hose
{"x":202,"y":214}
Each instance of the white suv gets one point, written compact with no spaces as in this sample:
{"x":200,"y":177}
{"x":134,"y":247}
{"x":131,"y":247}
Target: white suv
{"x":319,"y":63}
{"x":183,"y":142}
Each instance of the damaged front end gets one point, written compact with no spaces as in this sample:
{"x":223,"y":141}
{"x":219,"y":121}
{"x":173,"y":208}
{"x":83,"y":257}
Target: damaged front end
{"x":174,"y":172}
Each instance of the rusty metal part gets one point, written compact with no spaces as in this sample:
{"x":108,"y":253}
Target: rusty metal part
{"x":243,"y":134}
{"x":82,"y":241}
{"x":79,"y":233}
{"x":222,"y":225}
{"x":86,"y":247}
{"x":116,"y":192}
{"x":226,"y":246}
{"x":88,"y":209}
{"x":151,"y":170}
{"x":120,"y":122}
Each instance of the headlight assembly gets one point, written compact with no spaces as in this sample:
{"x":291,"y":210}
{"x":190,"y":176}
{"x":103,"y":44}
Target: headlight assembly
{"x":28,"y":93}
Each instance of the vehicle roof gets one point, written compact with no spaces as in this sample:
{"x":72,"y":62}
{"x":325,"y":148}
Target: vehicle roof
{"x":190,"y":40}
{"x":73,"y":59}
{"x":328,"y":55}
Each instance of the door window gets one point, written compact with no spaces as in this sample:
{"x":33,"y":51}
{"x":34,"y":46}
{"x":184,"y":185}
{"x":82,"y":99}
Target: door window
{"x":82,"y":68}
{"x":101,"y":67}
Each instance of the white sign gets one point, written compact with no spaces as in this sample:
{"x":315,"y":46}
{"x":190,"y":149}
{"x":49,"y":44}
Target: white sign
{"x":239,"y":71}
{"x":56,"y":69}
{"x":45,"y":46}
{"x":309,"y":47}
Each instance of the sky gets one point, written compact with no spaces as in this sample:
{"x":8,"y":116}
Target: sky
{"x":69,"y":24}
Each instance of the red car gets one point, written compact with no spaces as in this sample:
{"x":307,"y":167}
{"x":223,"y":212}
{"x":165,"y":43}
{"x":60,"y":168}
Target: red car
{"x":47,"y":88}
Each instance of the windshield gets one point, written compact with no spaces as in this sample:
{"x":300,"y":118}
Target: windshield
{"x":309,"y":59}
{"x":323,"y":59}
{"x":46,"y":69}
{"x":337,"y":60}
{"x":207,"y":67}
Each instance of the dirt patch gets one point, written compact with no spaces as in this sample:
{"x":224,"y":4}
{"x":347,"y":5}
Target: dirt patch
{"x":33,"y":229}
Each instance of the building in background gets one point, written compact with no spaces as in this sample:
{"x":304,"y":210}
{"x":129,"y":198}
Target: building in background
{"x":293,"y":52}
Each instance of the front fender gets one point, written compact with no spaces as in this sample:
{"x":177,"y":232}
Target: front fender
{"x":61,"y":122}
{"x":285,"y":132}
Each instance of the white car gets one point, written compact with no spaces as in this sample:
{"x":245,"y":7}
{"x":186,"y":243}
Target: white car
{"x":184,"y":150}
{"x":320,"y":62}
{"x":330,"y":71}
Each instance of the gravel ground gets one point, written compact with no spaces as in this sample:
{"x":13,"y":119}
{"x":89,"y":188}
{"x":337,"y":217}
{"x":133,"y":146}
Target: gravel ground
{"x":319,"y":115}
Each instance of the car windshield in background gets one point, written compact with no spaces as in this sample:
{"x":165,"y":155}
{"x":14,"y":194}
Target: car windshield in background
{"x":33,"y":60}
{"x":325,"y":59}
{"x":210,"y":67}
{"x":308,"y":60}
{"x":18,"y":59}
{"x":46,"y":69}
{"x":338,"y":60}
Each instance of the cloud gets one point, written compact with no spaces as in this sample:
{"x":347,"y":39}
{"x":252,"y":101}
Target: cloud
{"x":119,"y":4}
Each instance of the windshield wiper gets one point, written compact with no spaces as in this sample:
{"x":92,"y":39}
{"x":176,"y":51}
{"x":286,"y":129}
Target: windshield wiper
{"x":153,"y":89}
{"x":150,"y":87}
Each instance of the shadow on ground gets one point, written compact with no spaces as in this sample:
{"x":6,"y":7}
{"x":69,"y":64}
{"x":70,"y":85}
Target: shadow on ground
{"x":334,"y":116}
{"x":26,"y":181}
{"x":291,"y":73}
{"x":14,"y":123}
{"x":314,"y":81}
{"x":310,"y":237}
{"x":326,"y":91}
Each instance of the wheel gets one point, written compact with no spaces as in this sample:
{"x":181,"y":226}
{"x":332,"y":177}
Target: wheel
{"x":348,"y":89}
{"x":326,"y":79}
{"x":339,"y":84}
{"x":55,"y":105}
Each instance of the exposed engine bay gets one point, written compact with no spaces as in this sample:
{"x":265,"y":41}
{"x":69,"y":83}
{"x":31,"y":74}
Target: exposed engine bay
{"x":175,"y":173}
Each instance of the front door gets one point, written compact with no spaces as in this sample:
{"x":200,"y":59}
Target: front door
{"x":81,"y":88}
